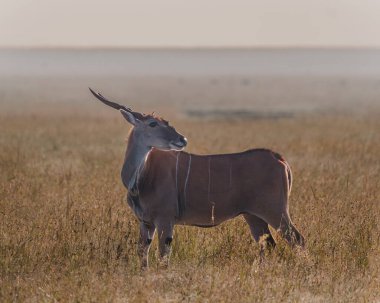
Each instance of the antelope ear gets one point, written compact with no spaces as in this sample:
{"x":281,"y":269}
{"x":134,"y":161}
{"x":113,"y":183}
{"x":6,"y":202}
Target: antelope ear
{"x":129,"y":117}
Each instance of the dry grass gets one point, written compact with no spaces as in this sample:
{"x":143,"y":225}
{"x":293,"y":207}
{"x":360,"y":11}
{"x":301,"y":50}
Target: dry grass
{"x":67,"y":235}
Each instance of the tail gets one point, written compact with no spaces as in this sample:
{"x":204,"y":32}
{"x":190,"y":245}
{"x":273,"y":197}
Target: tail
{"x":288,"y":170}
{"x":290,"y":176}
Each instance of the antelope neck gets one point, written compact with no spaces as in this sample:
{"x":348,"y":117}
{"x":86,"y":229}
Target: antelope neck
{"x":134,"y":161}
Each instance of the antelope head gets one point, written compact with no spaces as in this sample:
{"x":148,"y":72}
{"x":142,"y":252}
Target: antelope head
{"x":152,"y":131}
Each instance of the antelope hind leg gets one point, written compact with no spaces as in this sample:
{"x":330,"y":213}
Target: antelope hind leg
{"x":284,"y":226}
{"x":290,"y":233}
{"x":260,"y":232}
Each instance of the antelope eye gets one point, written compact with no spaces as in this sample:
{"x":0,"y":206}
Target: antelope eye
{"x":153,"y":124}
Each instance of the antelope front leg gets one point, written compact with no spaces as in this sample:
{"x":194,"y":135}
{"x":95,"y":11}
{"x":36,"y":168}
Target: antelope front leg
{"x":165,"y":238}
{"x":146,"y":236}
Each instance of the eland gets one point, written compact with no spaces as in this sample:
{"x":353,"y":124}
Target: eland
{"x":167,"y":186}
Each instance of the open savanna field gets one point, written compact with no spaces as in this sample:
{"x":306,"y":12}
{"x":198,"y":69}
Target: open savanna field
{"x":66,"y":233}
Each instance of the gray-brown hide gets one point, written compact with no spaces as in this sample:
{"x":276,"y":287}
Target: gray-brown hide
{"x":167,"y":186}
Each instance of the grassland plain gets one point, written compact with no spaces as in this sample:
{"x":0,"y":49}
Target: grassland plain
{"x":66,"y":234}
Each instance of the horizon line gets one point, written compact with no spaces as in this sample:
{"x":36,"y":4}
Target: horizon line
{"x":189,"y":48}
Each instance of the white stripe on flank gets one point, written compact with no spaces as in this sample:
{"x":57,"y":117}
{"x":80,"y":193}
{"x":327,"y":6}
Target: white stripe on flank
{"x":176,"y":172}
{"x":230,"y":175}
{"x":209,"y":178}
{"x":187,"y":177}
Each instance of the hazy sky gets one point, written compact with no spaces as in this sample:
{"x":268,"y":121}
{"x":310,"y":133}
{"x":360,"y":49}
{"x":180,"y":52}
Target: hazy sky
{"x":194,"y":23}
